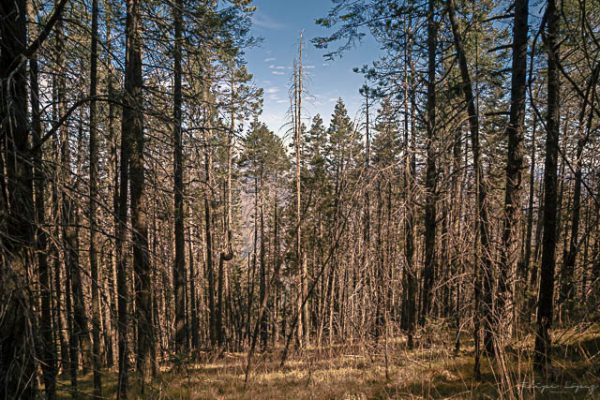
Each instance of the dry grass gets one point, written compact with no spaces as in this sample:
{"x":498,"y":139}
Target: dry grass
{"x":353,"y":373}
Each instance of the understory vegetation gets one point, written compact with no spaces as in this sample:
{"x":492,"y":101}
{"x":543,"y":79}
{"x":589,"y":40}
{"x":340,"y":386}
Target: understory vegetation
{"x":385,"y":370}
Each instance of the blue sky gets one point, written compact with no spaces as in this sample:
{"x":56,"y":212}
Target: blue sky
{"x":279,"y":23}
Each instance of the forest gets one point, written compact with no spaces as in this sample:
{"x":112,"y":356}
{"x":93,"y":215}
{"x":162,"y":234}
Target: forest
{"x":160,"y":240}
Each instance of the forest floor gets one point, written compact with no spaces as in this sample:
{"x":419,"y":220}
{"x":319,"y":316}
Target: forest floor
{"x":359,"y":371}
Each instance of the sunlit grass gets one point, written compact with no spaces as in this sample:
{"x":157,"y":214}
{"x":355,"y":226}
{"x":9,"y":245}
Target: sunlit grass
{"x":360,"y":372}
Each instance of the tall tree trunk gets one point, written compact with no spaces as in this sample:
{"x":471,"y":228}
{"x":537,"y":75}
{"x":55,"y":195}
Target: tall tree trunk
{"x":366,"y":239}
{"x":59,"y":315}
{"x":263,"y":326}
{"x":483,"y":219}
{"x":17,"y":365}
{"x":525,"y":306}
{"x":410,"y":298}
{"x":113,"y":177}
{"x":567,"y":289}
{"x":303,"y":317}
{"x":181,"y":330}
{"x":121,"y":253}
{"x":379,"y":267}
{"x":70,"y":235}
{"x":46,"y":345}
{"x":93,"y":154}
{"x":542,"y":358}
{"x":214,"y":330}
{"x":131,"y":129}
{"x":512,"y":196}
{"x":276,"y":262}
{"x":138,"y":206}
{"x":227,"y":252}
{"x":195,"y":337}
{"x":431,"y":173}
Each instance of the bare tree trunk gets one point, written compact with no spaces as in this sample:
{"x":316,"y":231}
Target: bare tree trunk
{"x":483,"y":219}
{"x":93,"y":154}
{"x":567,"y":289}
{"x":214,"y":329}
{"x":431,"y":173}
{"x":60,"y":324}
{"x":17,"y":350}
{"x":46,"y":343}
{"x":512,"y":198}
{"x":139,"y":205}
{"x":113,"y":178}
{"x":410,"y":297}
{"x":181,"y":329}
{"x":379,"y":265}
{"x":193,"y":299}
{"x":121,"y":255}
{"x":70,"y":236}
{"x":131,"y":126}
{"x":303,"y":321}
{"x":525,"y":306}
{"x":17,"y":325}
{"x":263,"y":326}
{"x":542,"y":357}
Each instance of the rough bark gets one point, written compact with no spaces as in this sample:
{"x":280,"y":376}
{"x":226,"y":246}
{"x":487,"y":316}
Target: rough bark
{"x":542,"y":356}
{"x":512,"y":195}
{"x":431,"y":168}
{"x":139,"y":206}
{"x":47,"y":348}
{"x":17,"y":353}
{"x":181,"y":331}
{"x":93,"y":192}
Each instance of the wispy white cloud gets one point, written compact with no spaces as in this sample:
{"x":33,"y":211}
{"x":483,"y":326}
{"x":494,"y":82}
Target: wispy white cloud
{"x":262,"y":20}
{"x":270,"y":59}
{"x":278,"y":72}
{"x":272,"y":90}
